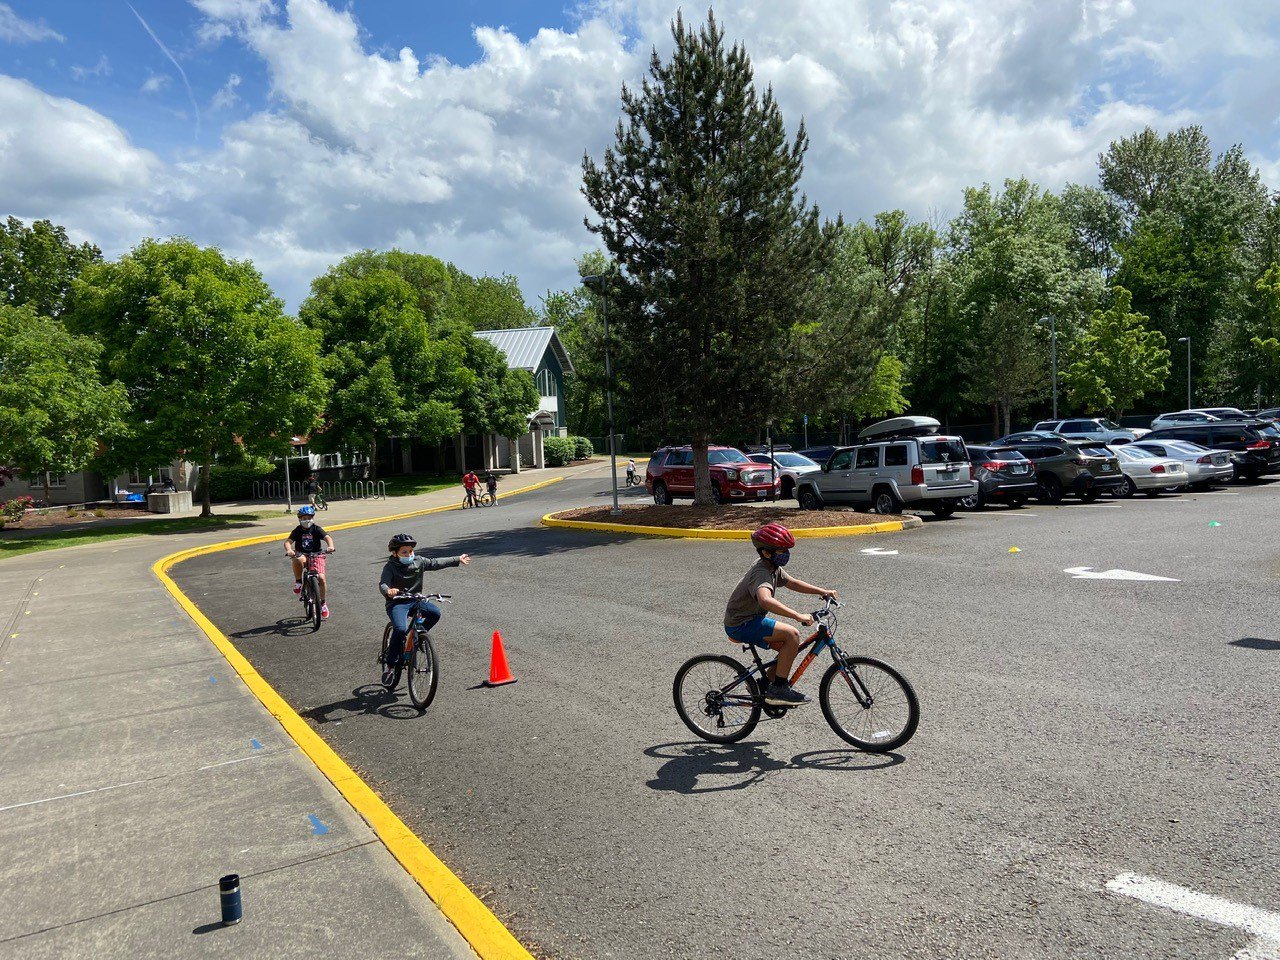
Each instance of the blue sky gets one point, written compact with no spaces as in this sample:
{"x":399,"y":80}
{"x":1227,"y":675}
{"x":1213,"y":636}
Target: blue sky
{"x":458,"y":130}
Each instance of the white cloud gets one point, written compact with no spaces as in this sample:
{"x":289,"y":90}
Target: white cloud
{"x":905,"y":104}
{"x":100,"y":69}
{"x":156,"y":82}
{"x":13,"y":29}
{"x":227,"y":95}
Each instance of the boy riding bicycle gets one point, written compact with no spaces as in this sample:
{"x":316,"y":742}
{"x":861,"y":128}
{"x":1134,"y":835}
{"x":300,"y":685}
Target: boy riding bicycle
{"x":403,"y":574}
{"x":309,"y":539}
{"x":746,"y":617}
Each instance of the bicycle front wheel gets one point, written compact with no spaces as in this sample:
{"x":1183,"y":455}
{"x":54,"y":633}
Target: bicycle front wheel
{"x":717,"y":699}
{"x":869,"y":704}
{"x":423,"y":675}
{"x":312,"y":589}
{"x":305,"y":596}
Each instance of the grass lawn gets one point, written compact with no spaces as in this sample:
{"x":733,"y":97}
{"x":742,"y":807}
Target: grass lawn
{"x":138,"y":528}
{"x":412,"y":486}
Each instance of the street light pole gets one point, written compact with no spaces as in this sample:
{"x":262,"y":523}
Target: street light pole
{"x":1187,"y":341}
{"x":600,"y":283}
{"x":1053,"y":338}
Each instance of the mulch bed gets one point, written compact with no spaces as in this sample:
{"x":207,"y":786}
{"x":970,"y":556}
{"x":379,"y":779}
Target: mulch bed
{"x":59,"y":518}
{"x":721,"y":518}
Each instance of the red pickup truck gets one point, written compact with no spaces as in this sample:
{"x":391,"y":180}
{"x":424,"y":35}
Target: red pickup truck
{"x":733,"y":476}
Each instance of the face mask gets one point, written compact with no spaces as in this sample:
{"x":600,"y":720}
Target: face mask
{"x":304,"y":524}
{"x":407,"y":561}
{"x":781,"y":557}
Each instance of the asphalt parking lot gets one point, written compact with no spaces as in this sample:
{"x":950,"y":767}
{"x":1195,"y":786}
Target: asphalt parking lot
{"x":1077,"y":727}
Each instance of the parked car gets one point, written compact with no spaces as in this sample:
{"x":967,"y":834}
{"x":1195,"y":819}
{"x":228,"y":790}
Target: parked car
{"x":1148,"y":472}
{"x":1004,"y":475}
{"x":791,"y":467}
{"x":1087,"y":469}
{"x":1222,"y":413}
{"x":1254,"y":444}
{"x":896,"y":463}
{"x":1182,"y":417}
{"x":1204,"y":466}
{"x":1098,"y":428}
{"x":819,"y":455}
{"x":733,"y":476}
{"x":1028,"y":435}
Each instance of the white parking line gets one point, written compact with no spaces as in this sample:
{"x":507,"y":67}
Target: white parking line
{"x":1263,"y":924}
{"x":1002,"y":513}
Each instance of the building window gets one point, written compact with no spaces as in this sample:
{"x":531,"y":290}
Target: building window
{"x":55,"y":480}
{"x":138,"y":475}
{"x":546,"y":383}
{"x":329,"y":460}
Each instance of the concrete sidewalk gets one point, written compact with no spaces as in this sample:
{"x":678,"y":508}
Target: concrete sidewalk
{"x":136,"y":769}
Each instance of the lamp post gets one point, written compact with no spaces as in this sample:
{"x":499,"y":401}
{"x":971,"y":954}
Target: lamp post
{"x":1187,"y":341}
{"x":599,"y":283}
{"x":1053,"y":338}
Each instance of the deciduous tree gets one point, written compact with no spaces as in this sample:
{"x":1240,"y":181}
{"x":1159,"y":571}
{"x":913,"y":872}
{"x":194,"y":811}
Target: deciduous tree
{"x":1117,"y":361}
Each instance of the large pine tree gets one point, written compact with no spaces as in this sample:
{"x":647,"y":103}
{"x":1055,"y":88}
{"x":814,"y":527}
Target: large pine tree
{"x":721,"y":259}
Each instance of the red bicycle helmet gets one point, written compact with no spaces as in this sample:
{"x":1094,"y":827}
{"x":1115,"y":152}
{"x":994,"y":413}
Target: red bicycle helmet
{"x":773,"y":536}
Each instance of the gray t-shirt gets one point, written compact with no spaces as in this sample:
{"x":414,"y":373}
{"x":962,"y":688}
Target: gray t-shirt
{"x":743,"y":605}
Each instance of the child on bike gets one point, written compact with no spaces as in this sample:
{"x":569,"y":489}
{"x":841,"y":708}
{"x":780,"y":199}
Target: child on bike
{"x":471,"y":483}
{"x":309,"y":538}
{"x":631,"y":471}
{"x":747,"y":616}
{"x":403,"y":574}
{"x":311,"y":488}
{"x":491,"y":484}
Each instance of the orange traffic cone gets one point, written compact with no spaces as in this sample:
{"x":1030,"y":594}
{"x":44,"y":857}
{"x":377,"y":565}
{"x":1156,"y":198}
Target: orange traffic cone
{"x":499,"y":672}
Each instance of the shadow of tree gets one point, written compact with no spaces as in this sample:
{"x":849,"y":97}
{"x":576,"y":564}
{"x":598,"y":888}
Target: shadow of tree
{"x":531,"y":542}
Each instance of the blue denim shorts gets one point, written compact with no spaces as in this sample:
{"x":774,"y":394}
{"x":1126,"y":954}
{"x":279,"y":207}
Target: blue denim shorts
{"x":755,"y":631}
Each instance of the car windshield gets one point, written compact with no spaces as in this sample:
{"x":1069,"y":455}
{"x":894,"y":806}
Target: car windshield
{"x":794,"y":460}
{"x":1095,"y":451}
{"x":943,"y":451}
{"x":1185,"y":445}
{"x":726,"y":456}
{"x":1267,"y":430}
{"x":1131,"y":453}
{"x":1004,"y":454}
{"x":1109,"y":424}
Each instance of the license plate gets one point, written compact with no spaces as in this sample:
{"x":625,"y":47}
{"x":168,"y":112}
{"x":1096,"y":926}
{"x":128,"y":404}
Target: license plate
{"x":762,"y":493}
{"x":1017,"y":469}
{"x":1219,"y":461}
{"x":1106,"y":468}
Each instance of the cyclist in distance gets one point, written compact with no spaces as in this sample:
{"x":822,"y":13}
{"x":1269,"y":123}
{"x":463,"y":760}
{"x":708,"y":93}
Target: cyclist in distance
{"x":311,"y":487}
{"x":308,"y":537}
{"x":471,"y":483}
{"x":748,"y":616}
{"x":631,"y":471}
{"x":403,"y":574}
{"x":491,"y":484}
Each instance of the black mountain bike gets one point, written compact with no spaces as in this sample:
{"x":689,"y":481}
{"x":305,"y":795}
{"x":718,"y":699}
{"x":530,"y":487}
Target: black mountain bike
{"x":867,"y":702}
{"x":310,"y":595}
{"x":419,"y":653}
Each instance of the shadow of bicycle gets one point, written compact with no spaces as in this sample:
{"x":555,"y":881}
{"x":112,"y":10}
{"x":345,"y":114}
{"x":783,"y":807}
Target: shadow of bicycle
{"x":284,"y":627}
{"x":367,"y":700}
{"x":697,"y":767}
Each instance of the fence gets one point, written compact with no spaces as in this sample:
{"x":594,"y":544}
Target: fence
{"x":270,"y":490}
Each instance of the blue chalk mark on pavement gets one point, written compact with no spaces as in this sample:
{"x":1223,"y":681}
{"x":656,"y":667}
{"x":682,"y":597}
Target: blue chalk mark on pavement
{"x":255,"y":744}
{"x":213,"y":679}
{"x":318,"y":829}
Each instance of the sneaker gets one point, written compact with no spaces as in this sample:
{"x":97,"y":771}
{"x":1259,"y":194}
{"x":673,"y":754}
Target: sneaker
{"x":781,"y":695}
{"x":324,"y":611}
{"x":297,"y":588}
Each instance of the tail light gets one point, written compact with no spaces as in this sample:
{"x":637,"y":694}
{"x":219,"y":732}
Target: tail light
{"x":971,"y":470}
{"x":1158,"y":468}
{"x":917,"y":474}
{"x":994,"y":465}
{"x":1205,"y":459}
{"x":1259,"y":445}
{"x":1077,"y":461}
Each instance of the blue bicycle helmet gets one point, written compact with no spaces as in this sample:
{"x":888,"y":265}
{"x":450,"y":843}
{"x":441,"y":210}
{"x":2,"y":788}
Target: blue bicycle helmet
{"x":307,"y":511}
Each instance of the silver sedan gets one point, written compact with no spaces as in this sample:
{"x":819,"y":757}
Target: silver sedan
{"x":1145,"y":471}
{"x":1203,"y":465}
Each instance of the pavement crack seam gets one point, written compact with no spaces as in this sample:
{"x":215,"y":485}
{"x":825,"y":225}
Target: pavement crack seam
{"x":121,"y":718}
{"x":23,"y":603}
{"x":186,"y":893}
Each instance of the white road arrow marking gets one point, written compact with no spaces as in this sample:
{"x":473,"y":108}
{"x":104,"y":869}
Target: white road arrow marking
{"x":1088,"y":573}
{"x":880,"y":552}
{"x":1263,"y":924}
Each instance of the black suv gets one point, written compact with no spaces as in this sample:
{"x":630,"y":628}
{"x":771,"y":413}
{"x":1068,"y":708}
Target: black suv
{"x":1004,"y":475}
{"x":1083,"y":467}
{"x":1254,"y":444}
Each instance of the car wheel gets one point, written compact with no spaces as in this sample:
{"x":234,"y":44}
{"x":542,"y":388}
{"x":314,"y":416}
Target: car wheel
{"x":716,"y":495}
{"x":809,"y":500}
{"x":1130,"y":488}
{"x":886,"y":501}
{"x":1151,"y":493}
{"x":1050,"y":489}
{"x":973,"y":502}
{"x":660,"y":494}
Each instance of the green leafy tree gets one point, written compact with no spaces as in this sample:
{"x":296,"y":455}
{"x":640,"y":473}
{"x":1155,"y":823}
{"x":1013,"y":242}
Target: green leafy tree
{"x":1117,"y":361}
{"x":486,"y":303}
{"x":213,"y":367}
{"x":883,"y":397}
{"x":55,"y":412}
{"x":721,"y":262}
{"x":38,"y":265}
{"x":1266,"y":347}
{"x":372,"y":314}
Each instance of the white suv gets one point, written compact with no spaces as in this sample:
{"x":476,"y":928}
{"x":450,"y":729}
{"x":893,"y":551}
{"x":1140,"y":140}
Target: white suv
{"x":896,"y":463}
{"x":1098,"y":428}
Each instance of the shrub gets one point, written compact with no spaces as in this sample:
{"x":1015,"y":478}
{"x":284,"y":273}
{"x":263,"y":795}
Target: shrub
{"x":234,"y":482}
{"x":12,"y":510}
{"x":559,"y":450}
{"x":582,"y":448}
{"x":72,"y":512}
{"x":99,"y":512}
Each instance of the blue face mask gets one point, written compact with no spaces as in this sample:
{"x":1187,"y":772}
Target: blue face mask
{"x":781,"y":557}
{"x":407,"y":561}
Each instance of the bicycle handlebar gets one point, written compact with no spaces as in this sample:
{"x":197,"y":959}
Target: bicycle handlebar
{"x":407,"y":597}
{"x":295,"y":555}
{"x":828,"y":602}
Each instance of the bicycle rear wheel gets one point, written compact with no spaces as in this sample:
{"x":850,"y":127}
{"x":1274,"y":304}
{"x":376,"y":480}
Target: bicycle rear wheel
{"x":486,"y":500}
{"x":312,"y":588}
{"x":712,"y":702}
{"x":423,"y":675}
{"x":869,"y":704}
{"x":382,"y":657}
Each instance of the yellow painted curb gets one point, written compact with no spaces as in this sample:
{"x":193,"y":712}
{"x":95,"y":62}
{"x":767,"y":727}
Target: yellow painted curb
{"x":475,"y":921}
{"x":888,"y":526}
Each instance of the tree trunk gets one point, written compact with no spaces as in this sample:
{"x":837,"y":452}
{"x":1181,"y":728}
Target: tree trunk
{"x":45,"y":475}
{"x":701,"y":472}
{"x":995,"y":421}
{"x":1008,"y":420}
{"x":206,"y":507}
{"x":373,"y":459}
